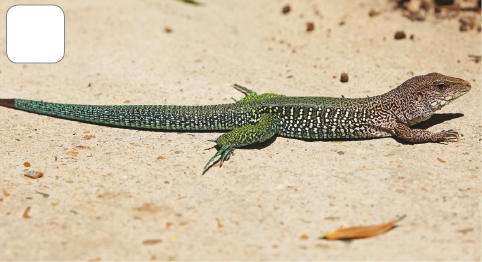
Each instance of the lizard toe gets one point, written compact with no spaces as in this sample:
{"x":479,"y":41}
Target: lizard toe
{"x":450,"y":136}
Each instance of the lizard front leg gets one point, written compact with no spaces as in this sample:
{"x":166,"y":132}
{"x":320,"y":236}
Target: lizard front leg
{"x":423,"y":136}
{"x":243,"y":136}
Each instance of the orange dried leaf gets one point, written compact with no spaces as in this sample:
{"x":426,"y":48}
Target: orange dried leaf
{"x":360,"y":232}
{"x":219,"y":223}
{"x":72,"y":153}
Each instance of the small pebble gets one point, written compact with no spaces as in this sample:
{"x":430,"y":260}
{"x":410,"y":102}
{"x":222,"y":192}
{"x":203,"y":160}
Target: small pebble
{"x":400,"y":35}
{"x":286,"y":9}
{"x":310,"y":26}
{"x":344,"y":77}
{"x":34,"y":174}
{"x":373,"y":13}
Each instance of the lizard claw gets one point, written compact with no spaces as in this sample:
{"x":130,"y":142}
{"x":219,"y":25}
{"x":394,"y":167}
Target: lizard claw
{"x":209,"y":148}
{"x":211,"y":140}
{"x":450,"y":136}
{"x":225,"y":152}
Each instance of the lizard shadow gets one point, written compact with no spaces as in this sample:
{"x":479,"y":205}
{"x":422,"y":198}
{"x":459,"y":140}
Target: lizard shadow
{"x":261,"y":145}
{"x":434,"y":120}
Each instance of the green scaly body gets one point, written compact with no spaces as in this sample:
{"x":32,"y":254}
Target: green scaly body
{"x":300,"y":117}
{"x":258,"y":117}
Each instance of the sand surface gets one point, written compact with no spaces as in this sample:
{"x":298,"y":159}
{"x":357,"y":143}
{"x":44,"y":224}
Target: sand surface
{"x":123,"y":194}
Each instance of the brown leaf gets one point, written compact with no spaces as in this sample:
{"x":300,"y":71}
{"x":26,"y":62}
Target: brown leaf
{"x":361,"y":232}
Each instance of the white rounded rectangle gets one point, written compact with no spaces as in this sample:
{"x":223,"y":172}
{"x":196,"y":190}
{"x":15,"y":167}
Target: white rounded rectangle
{"x":35,"y":34}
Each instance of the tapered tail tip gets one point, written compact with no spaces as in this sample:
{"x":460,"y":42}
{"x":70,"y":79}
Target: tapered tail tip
{"x":7,"y":102}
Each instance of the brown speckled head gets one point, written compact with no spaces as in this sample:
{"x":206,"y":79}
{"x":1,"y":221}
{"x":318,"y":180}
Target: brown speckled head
{"x":441,"y":89}
{"x":419,"y":97}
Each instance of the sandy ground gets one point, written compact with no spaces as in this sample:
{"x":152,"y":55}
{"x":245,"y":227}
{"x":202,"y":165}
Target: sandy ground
{"x":123,"y":194}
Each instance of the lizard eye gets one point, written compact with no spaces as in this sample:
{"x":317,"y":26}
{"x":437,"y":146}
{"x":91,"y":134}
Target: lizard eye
{"x":441,"y":87}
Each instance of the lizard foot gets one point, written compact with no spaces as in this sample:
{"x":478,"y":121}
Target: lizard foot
{"x":449,"y":136}
{"x":225,"y":152}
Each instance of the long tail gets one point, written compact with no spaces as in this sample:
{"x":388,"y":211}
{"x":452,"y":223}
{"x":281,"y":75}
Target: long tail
{"x":213,"y":117}
{"x":7,"y":102}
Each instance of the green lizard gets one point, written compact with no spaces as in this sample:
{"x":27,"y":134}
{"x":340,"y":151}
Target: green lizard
{"x":256,"y":118}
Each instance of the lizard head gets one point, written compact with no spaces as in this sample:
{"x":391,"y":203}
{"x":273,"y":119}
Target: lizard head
{"x":439,"y":90}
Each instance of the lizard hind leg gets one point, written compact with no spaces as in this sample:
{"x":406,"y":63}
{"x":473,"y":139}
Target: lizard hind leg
{"x":246,"y":91}
{"x":252,"y":96}
{"x":266,"y":127}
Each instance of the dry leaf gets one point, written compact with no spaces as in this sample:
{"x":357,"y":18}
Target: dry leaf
{"x":25,"y":213}
{"x":151,"y":241}
{"x":88,"y":137}
{"x":361,"y":232}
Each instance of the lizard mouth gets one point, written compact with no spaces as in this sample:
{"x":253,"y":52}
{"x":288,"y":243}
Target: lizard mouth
{"x":450,"y":98}
{"x":445,"y":100}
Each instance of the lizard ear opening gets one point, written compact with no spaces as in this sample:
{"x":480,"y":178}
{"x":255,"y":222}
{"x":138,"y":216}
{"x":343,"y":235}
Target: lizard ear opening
{"x":419,"y":97}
